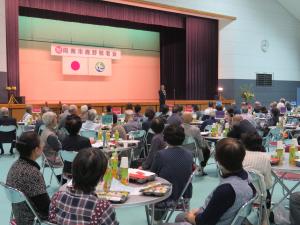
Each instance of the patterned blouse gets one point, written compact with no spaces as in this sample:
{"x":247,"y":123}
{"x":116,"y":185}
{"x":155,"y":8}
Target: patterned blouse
{"x":25,"y":176}
{"x":75,"y":207}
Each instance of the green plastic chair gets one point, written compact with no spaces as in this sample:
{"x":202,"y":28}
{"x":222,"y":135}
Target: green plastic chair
{"x":15,"y":196}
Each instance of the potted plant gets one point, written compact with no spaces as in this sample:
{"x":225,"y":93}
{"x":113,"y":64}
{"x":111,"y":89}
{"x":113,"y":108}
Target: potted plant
{"x":247,"y":93}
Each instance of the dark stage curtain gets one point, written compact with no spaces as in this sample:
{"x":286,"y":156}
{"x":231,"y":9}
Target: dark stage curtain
{"x":104,"y":11}
{"x":12,"y":43}
{"x":172,"y":63}
{"x":201,"y":58}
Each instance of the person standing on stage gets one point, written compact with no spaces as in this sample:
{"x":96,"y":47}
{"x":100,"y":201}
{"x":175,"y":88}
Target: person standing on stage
{"x":162,"y":96}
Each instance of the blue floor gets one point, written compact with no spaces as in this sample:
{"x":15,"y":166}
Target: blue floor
{"x":202,"y":186}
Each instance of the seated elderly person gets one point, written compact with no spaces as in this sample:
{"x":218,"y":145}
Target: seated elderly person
{"x":73,"y":110}
{"x":109,"y":110}
{"x":130,"y":124}
{"x":84,"y":112}
{"x":6,"y":120}
{"x":196,"y":110}
{"x":149,"y":114}
{"x":51,"y":144}
{"x":164,"y":113}
{"x":211,"y":119}
{"x":25,"y":176}
{"x":90,"y":124}
{"x":157,"y":142}
{"x":274,"y":117}
{"x":73,"y":141}
{"x":257,"y":107}
{"x":39,"y":122}
{"x":239,"y":126}
{"x":256,"y":159}
{"x":118,"y":127}
{"x":208,"y":111}
{"x":79,"y":204}
{"x":281,"y":103}
{"x":138,"y":116}
{"x":234,"y":190}
{"x":175,"y":118}
{"x":247,"y":116}
{"x":173,"y":164}
{"x":27,"y":117}
{"x":129,"y":109}
{"x":64,"y":111}
{"x":194,"y":132}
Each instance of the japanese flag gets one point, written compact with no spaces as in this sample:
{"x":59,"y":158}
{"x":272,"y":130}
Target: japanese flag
{"x":75,"y":66}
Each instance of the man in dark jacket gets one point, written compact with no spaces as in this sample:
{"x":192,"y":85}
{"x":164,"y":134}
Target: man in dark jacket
{"x":7,"y":137}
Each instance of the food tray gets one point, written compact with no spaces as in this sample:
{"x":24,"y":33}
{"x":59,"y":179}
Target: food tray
{"x":140,"y":176}
{"x":113,"y":196}
{"x":157,"y":190}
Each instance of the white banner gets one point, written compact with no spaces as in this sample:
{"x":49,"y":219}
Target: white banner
{"x":100,"y":67}
{"x":84,"y":51}
{"x":75,"y":66}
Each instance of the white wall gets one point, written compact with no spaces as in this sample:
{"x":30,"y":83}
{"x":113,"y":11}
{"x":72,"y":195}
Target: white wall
{"x":3,"y":67}
{"x":240,"y":55}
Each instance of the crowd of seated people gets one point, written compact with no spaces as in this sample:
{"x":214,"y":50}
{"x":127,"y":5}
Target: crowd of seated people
{"x":234,"y":190}
{"x":242,"y":149}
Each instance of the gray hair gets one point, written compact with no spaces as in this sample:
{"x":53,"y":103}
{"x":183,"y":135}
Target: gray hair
{"x":84,"y":108}
{"x":4,"y":111}
{"x":45,"y":109}
{"x":73,"y":109}
{"x":49,"y":118}
{"x":28,"y":108}
{"x":64,"y":107}
{"x":92,"y":114}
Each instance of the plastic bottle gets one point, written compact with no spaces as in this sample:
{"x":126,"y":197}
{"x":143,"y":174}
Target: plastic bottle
{"x":104,"y":138}
{"x":226,"y":130}
{"x":99,"y":134}
{"x":114,"y":164}
{"x":280,"y":151}
{"x":117,"y":135}
{"x":124,"y":170}
{"x":107,"y":178}
{"x":292,"y":152}
{"x":107,"y":136}
{"x":214,"y":130}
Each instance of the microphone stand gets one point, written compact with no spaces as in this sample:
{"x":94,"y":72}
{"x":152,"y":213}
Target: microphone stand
{"x":174,"y":94}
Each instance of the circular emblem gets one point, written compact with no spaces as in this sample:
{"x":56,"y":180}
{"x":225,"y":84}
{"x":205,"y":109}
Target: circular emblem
{"x":58,"y":49}
{"x":100,"y":67}
{"x":75,"y":65}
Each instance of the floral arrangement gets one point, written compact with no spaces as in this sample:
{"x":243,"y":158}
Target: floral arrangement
{"x":247,"y":93}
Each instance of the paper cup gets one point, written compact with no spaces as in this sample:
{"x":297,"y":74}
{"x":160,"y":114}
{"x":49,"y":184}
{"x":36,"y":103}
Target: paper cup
{"x":279,"y":145}
{"x":295,"y":142}
{"x":124,"y":162}
{"x":125,"y":144}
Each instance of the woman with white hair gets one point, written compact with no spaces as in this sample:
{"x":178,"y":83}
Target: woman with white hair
{"x":90,"y":123}
{"x":84,"y":113}
{"x":49,"y":139}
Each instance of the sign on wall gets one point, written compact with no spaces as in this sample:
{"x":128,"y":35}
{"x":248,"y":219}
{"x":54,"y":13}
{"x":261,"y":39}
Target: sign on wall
{"x":83,"y":51}
{"x":79,"y":60}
